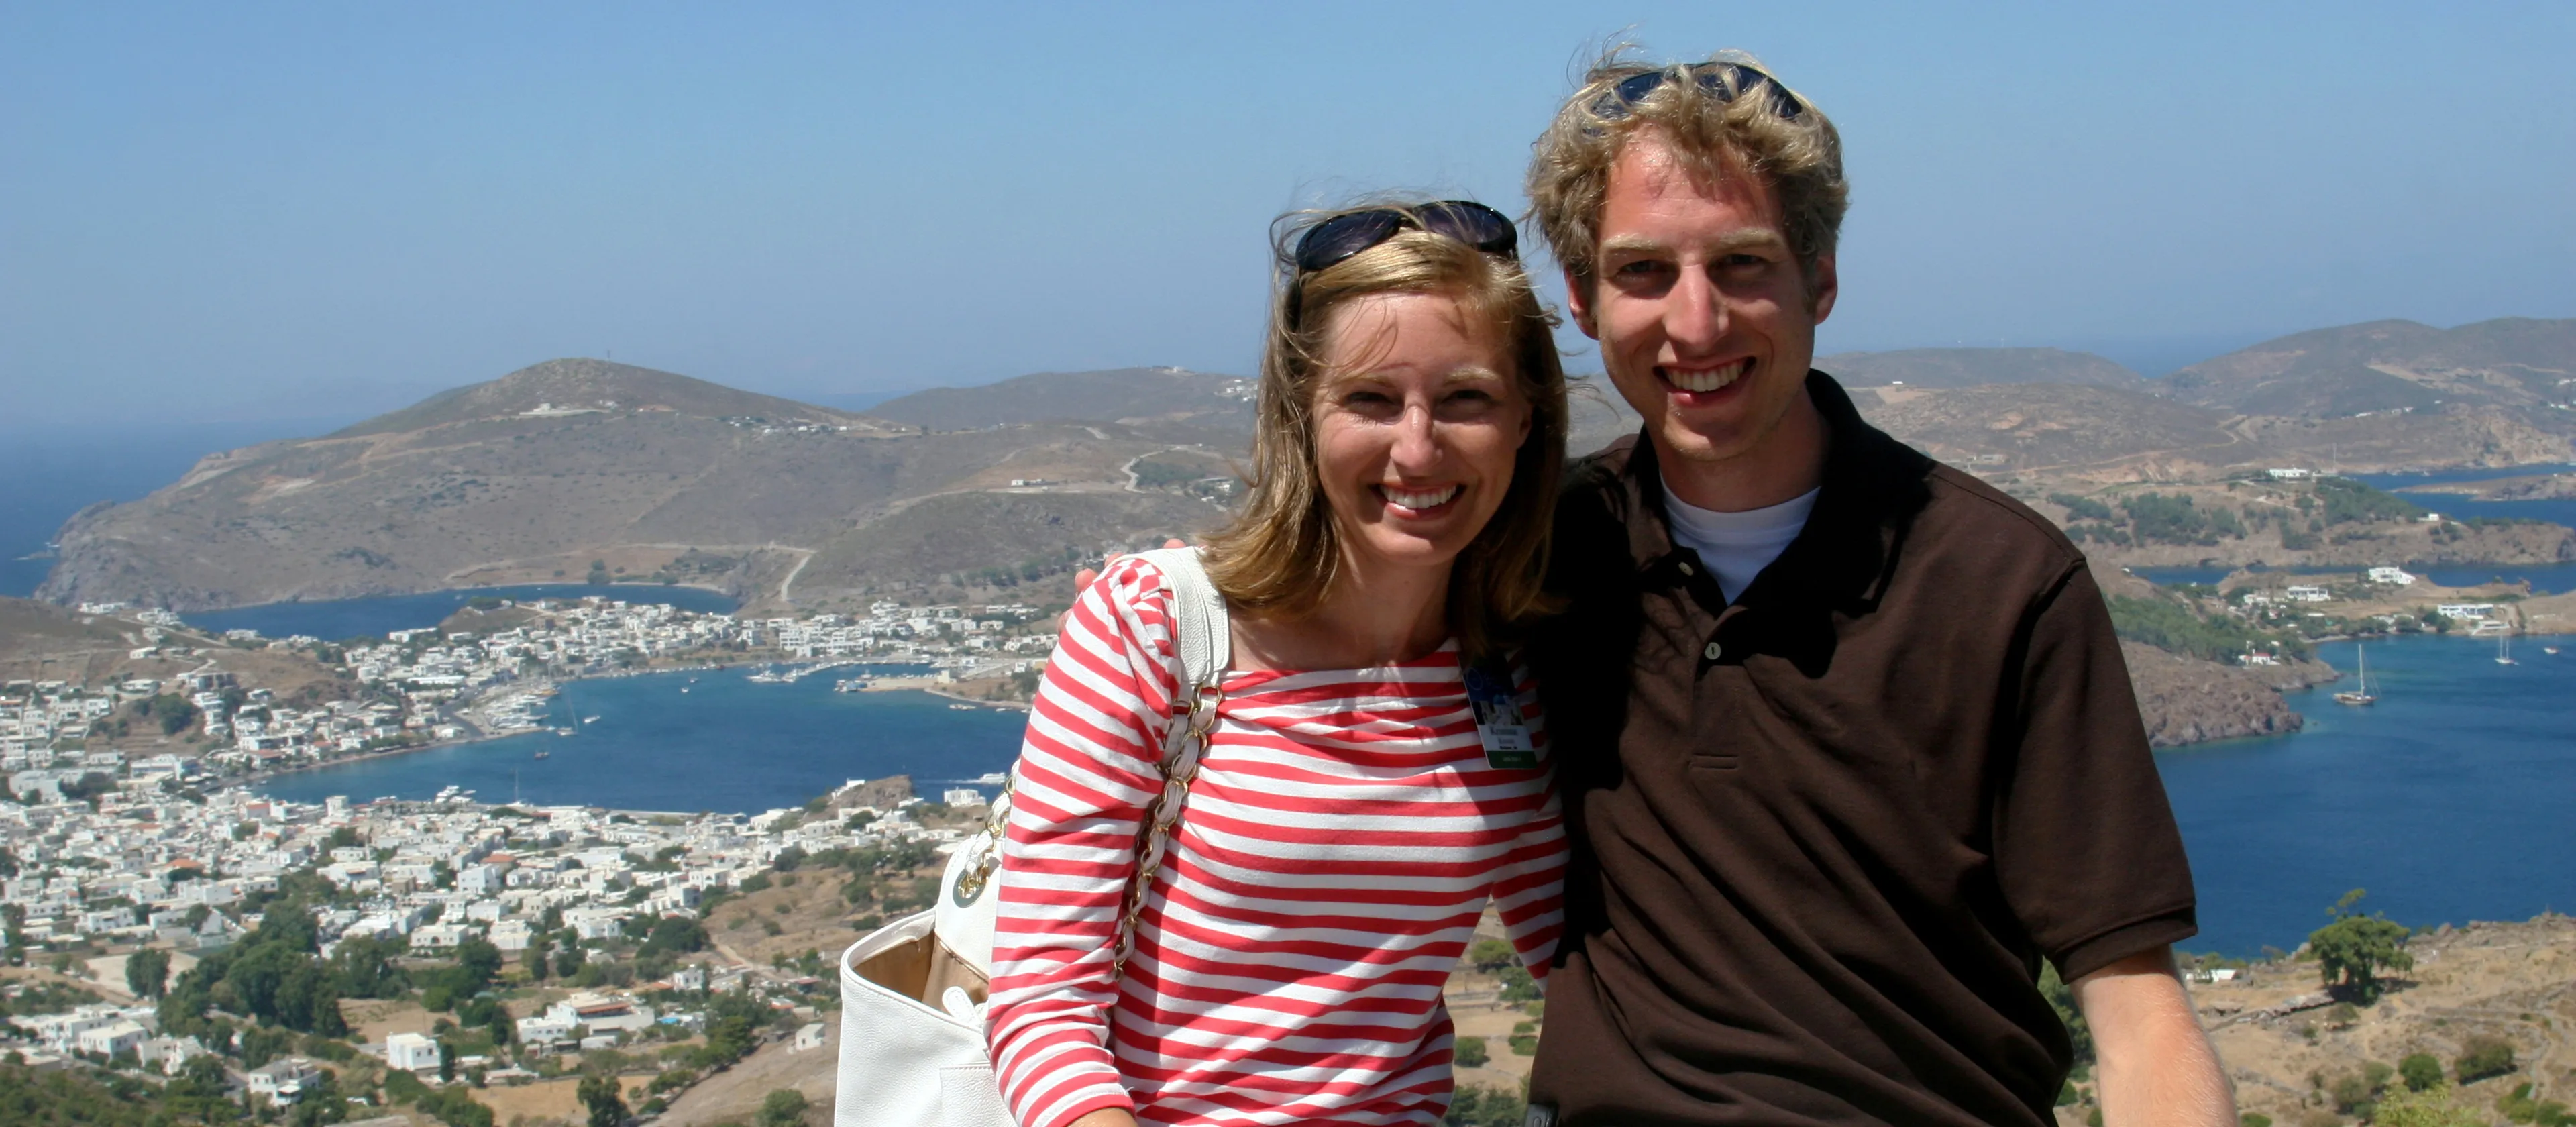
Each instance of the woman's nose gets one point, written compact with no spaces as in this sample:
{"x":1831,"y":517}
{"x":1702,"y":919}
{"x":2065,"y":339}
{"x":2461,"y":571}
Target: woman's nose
{"x":1417,"y":443}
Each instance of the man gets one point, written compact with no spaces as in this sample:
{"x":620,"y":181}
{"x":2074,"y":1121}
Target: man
{"x":1844,"y":734}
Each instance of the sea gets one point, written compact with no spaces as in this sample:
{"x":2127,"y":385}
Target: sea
{"x":710,"y":740}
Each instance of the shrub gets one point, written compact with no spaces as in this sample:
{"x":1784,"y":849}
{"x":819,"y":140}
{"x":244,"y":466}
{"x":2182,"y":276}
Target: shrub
{"x":1476,"y":1106}
{"x":2483,"y":1057}
{"x":1472,"y":1053}
{"x":2420,"y":1071}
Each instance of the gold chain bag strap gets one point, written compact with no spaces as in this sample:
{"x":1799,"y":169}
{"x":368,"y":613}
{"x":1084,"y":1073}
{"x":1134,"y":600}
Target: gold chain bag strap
{"x":1205,"y":641}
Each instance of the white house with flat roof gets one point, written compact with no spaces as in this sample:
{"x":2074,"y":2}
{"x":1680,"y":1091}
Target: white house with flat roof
{"x":410,"y":1052}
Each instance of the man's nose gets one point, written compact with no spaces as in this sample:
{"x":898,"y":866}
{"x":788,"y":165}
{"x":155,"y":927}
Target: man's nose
{"x":1694,"y":311}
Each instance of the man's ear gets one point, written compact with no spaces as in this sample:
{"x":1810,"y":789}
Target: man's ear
{"x":1820,"y":294}
{"x":1578,"y":303}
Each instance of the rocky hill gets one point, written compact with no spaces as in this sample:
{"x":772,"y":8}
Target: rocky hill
{"x":1970,"y":367}
{"x":533,"y":476}
{"x":2517,"y":363}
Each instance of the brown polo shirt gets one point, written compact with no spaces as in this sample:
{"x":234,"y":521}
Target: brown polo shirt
{"x":1824,"y":835}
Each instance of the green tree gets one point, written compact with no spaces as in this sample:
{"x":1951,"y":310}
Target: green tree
{"x":534,"y":958}
{"x":784,"y":1107}
{"x":604,"y":1099}
{"x":1472,"y":1052}
{"x":2431,"y":1107}
{"x":674,"y":935}
{"x":2354,"y":950}
{"x":2061,"y":998}
{"x":147,"y":973}
{"x":2421,"y":1071}
{"x":363,"y":967}
{"x":1491,"y":955}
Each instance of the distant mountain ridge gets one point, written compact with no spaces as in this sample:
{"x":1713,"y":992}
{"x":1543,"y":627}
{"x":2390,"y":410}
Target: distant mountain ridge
{"x":533,"y":476}
{"x":1136,"y":395}
{"x":2514,"y":362}
{"x":1971,"y":367}
{"x":579,"y":385}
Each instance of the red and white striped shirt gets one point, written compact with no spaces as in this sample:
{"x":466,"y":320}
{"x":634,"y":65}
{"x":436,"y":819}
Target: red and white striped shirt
{"x":1342,"y":837}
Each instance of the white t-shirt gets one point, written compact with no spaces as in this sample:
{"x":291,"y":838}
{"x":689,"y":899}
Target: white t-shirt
{"x":1737,"y":546}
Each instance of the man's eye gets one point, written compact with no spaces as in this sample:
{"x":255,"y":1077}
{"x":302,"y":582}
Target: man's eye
{"x":1643,"y":267}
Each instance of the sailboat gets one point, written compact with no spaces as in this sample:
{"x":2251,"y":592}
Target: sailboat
{"x":2359,"y":694}
{"x":2504,"y":649}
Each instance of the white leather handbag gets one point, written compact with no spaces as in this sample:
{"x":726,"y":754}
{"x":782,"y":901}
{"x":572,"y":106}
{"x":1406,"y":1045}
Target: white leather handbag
{"x":912,"y":993}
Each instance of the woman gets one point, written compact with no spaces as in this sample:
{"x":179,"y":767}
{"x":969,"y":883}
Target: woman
{"x":1347,"y":822}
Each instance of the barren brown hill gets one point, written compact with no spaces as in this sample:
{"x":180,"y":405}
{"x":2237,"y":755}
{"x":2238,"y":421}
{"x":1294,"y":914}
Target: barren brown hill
{"x":1969,"y":367}
{"x":532,"y":477}
{"x":2059,"y":428}
{"x":2515,"y":363}
{"x":32,"y":629}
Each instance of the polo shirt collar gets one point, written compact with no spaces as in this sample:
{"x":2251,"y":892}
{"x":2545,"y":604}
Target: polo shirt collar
{"x":1848,"y":548}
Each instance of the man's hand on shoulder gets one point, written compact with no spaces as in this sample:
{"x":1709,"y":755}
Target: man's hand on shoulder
{"x":2157,"y":1068}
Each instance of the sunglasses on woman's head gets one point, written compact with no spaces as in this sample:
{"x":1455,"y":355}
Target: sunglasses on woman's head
{"x":1342,"y":236}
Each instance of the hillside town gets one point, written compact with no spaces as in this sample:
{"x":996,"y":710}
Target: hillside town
{"x":132,"y":909}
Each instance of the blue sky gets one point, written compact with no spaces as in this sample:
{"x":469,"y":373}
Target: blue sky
{"x":248,"y":211}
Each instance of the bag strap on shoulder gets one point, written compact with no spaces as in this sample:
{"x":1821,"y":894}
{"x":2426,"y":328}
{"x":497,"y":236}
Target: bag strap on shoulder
{"x":1204,"y":638}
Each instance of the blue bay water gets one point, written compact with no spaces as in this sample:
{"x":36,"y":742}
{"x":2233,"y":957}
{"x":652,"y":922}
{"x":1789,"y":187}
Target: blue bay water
{"x":375,"y":616}
{"x":2450,"y":799}
{"x":726,"y":744}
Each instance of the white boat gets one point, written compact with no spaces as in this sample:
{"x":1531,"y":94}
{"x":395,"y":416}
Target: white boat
{"x":991,"y":778}
{"x":961,"y":708}
{"x":684,"y":688}
{"x":590,"y":719}
{"x":2504,"y":649}
{"x":2359,"y":694}
{"x":2550,"y":650}
{"x":850,"y":685}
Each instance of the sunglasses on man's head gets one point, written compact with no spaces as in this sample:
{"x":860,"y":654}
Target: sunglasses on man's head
{"x":1725,"y":80}
{"x":1342,"y":236}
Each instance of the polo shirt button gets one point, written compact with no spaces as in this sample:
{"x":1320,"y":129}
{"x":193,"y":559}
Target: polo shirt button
{"x":1686,"y":567}
{"x":1714,"y":651}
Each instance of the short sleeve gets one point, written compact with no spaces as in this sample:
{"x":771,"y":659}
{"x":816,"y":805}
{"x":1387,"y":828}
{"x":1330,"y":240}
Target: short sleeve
{"x":2086,"y":847}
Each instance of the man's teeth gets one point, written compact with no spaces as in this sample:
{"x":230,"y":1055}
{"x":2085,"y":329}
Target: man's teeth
{"x":1708,"y":380}
{"x":1424,"y":500}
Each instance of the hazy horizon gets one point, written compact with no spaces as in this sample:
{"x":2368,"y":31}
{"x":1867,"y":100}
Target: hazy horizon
{"x":270,"y":213}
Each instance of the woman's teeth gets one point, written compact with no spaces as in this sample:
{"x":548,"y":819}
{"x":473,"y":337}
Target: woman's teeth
{"x":1428,"y":499}
{"x":1710,"y":379}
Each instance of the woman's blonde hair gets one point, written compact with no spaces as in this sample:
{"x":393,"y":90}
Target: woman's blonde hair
{"x":1281,"y":554}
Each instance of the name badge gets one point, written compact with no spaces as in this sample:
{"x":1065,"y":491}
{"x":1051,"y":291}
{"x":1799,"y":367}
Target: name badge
{"x":1499,"y":723}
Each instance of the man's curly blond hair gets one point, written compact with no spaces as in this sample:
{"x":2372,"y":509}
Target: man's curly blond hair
{"x":1798,"y":154}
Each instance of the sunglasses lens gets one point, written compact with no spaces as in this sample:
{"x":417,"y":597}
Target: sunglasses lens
{"x":1725,"y":80}
{"x":1343,"y":236}
{"x":1474,"y":224}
